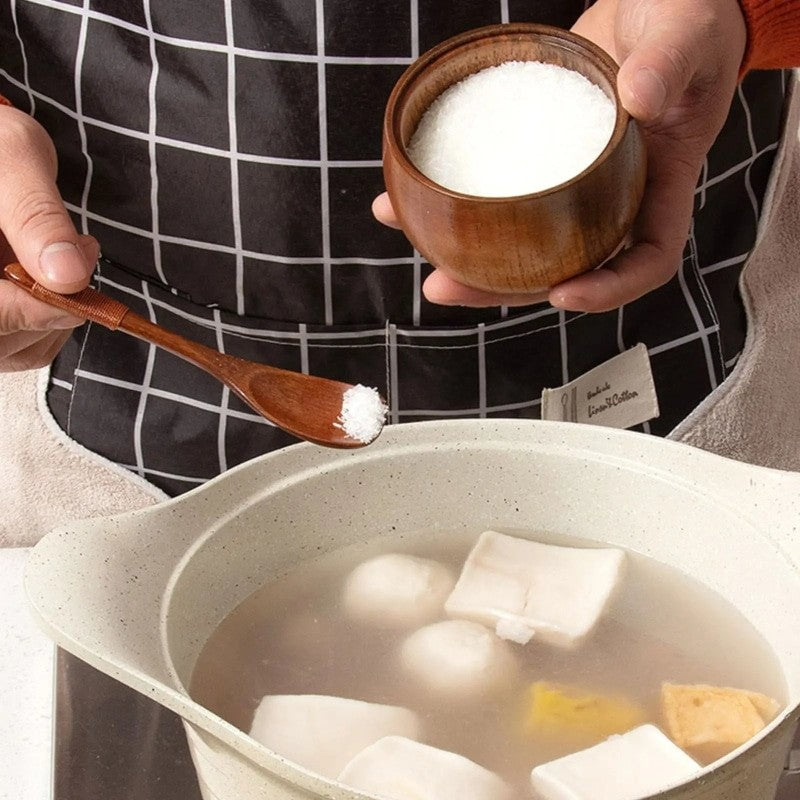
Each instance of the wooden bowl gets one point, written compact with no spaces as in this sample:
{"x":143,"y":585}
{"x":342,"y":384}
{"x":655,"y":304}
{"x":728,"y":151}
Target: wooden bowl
{"x":527,"y":242}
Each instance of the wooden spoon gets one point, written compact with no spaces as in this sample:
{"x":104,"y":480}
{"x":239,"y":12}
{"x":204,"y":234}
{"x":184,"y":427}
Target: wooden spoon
{"x":306,"y":406}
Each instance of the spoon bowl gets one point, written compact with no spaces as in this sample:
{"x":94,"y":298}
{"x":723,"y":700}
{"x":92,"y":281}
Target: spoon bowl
{"x":306,"y":406}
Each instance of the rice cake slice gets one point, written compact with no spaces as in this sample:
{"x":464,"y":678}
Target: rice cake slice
{"x":711,"y":721}
{"x":397,"y":768}
{"x":523,"y":588}
{"x":637,"y":764}
{"x":323,"y":733}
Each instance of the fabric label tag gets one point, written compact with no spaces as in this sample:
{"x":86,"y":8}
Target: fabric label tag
{"x":618,"y":394}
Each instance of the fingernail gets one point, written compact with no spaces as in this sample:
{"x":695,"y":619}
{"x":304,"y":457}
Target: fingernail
{"x":568,"y":302}
{"x":62,"y":262}
{"x":650,"y":89}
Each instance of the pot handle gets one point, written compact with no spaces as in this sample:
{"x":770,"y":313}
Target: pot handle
{"x":97,"y":588}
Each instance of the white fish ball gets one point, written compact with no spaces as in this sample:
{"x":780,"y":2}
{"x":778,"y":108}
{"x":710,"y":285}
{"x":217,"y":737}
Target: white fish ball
{"x":459,"y":658}
{"x":397,"y":591}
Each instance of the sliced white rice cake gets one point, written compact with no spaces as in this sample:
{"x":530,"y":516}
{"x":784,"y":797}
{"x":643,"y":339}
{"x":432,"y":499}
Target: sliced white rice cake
{"x":323,"y":733}
{"x":524,"y":589}
{"x":637,"y":764}
{"x":397,"y":768}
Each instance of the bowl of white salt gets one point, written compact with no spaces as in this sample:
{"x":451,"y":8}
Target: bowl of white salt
{"x":509,"y":159}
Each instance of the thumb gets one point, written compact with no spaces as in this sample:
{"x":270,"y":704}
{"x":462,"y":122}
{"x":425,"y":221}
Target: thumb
{"x":44,"y":239}
{"x":664,"y":52}
{"x":32,"y":216}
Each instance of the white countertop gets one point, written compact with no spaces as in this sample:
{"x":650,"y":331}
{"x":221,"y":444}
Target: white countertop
{"x":26,"y":690}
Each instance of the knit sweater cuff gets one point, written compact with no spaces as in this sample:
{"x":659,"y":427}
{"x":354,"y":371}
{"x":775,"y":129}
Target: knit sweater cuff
{"x":773,"y":34}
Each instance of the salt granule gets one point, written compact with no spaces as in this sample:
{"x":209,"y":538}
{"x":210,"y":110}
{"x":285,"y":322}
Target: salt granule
{"x":363,"y":413}
{"x":516,"y":128}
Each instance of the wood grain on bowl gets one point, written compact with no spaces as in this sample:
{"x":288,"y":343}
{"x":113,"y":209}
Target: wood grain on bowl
{"x":527,"y":242}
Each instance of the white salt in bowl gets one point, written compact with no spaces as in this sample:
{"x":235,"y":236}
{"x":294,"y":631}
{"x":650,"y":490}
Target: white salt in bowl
{"x":519,"y":242}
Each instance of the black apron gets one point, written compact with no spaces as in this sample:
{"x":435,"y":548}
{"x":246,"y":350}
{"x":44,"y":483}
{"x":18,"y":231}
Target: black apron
{"x":226,"y":162}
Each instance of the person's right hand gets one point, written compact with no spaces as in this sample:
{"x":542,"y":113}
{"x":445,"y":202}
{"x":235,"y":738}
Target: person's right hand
{"x":35,"y":230}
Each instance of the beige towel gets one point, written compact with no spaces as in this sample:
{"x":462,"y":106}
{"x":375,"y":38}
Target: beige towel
{"x":755,"y":415}
{"x":45,"y":479}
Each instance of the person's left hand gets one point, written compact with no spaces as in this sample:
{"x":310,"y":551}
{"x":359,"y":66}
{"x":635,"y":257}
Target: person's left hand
{"x":679,"y":66}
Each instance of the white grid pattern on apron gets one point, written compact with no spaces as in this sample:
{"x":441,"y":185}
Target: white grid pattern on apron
{"x":390,"y":336}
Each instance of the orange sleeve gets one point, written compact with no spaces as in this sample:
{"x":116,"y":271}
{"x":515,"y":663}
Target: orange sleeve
{"x":773,"y":34}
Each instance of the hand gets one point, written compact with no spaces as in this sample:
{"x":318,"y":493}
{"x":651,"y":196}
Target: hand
{"x":36,"y":231}
{"x":679,"y":66}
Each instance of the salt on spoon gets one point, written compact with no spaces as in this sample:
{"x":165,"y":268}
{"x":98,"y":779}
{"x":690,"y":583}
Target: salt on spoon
{"x":363,"y":413}
{"x":513,"y":129}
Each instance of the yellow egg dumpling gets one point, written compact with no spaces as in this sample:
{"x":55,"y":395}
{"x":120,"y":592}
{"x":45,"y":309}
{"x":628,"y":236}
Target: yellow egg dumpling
{"x":569,"y":712}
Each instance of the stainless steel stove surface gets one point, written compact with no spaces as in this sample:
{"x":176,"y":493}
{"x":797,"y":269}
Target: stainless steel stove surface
{"x":112,"y":743}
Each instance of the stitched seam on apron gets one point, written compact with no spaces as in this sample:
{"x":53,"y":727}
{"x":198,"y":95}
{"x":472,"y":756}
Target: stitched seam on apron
{"x":695,"y":262}
{"x":75,"y":376}
{"x":467,"y":331}
{"x":389,"y":395}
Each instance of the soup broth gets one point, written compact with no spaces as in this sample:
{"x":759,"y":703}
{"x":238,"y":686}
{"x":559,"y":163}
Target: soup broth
{"x":293,"y":637}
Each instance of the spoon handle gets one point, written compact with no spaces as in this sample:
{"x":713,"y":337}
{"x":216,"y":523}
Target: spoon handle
{"x":87,"y":303}
{"x":104,"y":310}
{"x":306,"y":406}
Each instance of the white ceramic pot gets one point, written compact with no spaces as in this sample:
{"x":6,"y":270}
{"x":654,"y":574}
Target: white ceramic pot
{"x":138,"y":595}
